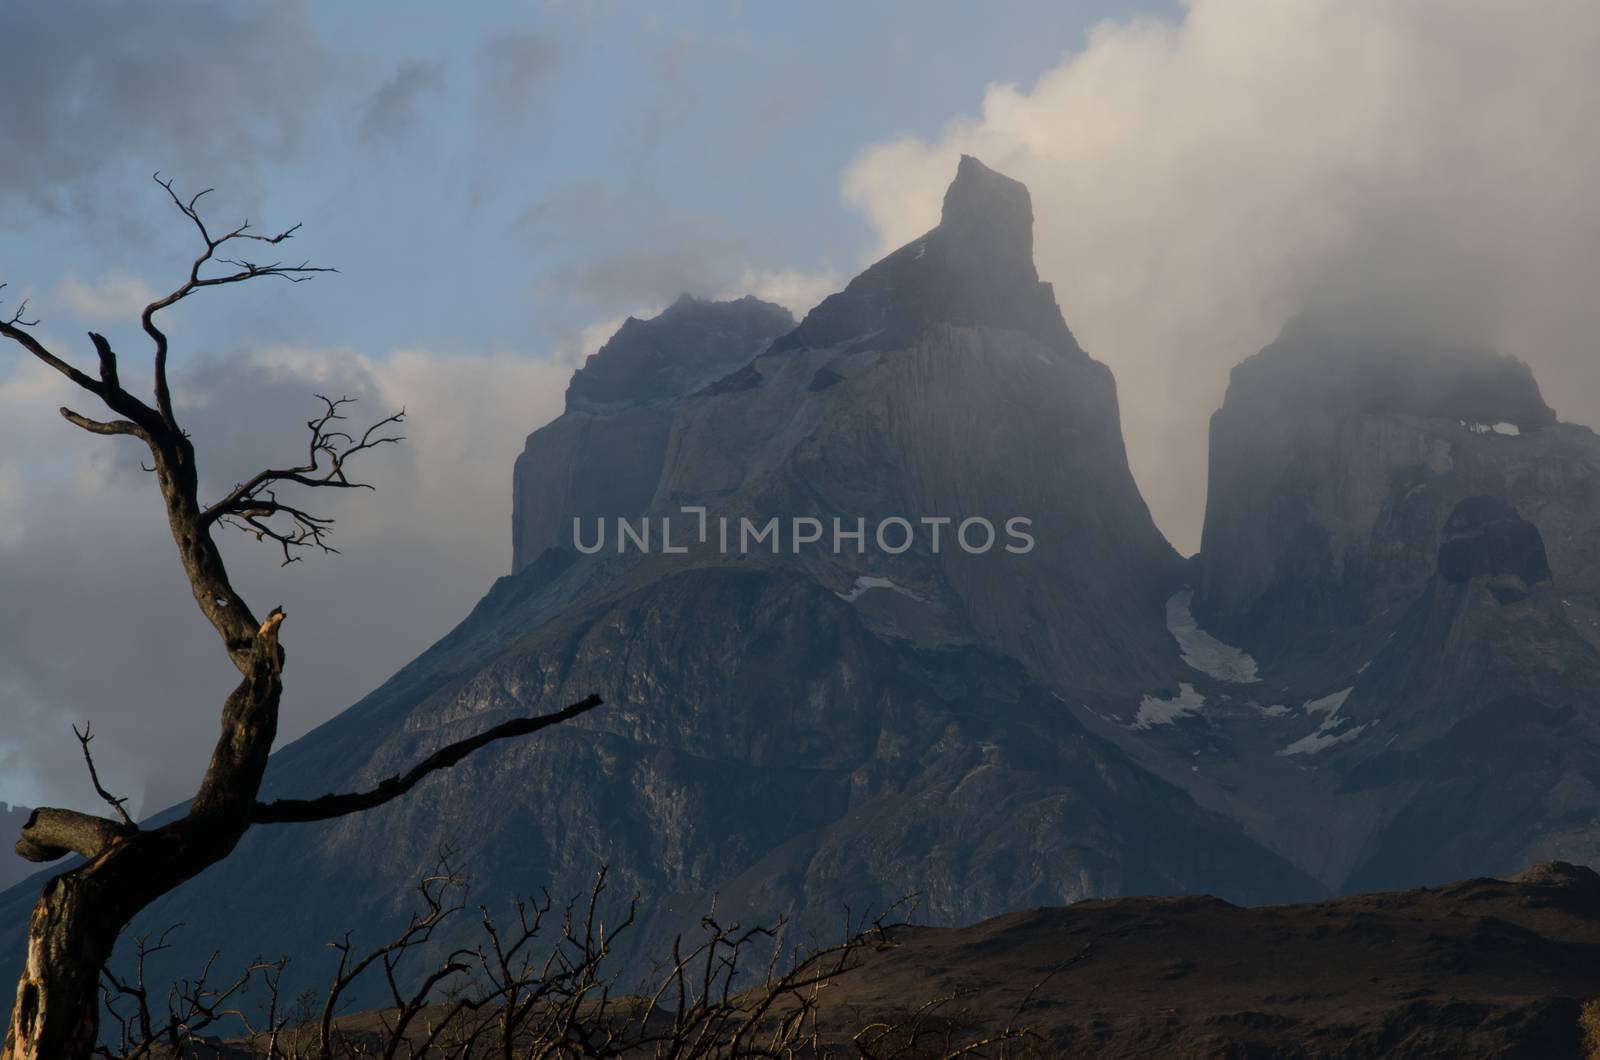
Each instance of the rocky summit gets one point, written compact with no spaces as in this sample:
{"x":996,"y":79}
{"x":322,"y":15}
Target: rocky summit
{"x":1403,"y":544}
{"x":876,"y":607}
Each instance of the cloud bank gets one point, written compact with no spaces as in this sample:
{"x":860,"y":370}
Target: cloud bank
{"x":1197,"y":181}
{"x":92,"y":91}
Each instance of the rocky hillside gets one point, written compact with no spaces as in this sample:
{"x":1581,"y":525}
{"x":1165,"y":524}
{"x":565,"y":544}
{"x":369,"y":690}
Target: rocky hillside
{"x":1485,"y":967}
{"x":1481,"y":968}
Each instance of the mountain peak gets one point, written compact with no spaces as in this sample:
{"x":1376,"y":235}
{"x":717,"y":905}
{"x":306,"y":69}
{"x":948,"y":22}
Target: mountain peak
{"x":989,"y":206}
{"x":975,"y":269}
{"x":685,"y":346}
{"x":1347,"y":365}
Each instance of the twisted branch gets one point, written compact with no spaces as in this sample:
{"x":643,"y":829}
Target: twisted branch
{"x":328,"y":806}
{"x":94,"y":775}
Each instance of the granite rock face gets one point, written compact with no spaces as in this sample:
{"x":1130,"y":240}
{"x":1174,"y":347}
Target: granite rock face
{"x":1334,"y":468}
{"x":976,"y":269}
{"x":1486,"y":538}
{"x":1404,"y":544}
{"x":602,"y":458}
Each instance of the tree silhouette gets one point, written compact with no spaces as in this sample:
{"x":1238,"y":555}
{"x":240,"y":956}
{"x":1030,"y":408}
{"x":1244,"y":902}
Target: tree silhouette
{"x":80,"y":912}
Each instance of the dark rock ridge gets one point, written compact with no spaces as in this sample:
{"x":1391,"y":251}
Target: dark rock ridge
{"x":1334,"y":467}
{"x":688,"y":345}
{"x":1481,"y":968}
{"x":1485,"y":537}
{"x":976,"y":268}
{"x":1401,"y":561}
{"x":603,"y":458}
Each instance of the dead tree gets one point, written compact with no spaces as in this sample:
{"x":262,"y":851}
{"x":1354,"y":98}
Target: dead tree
{"x":538,"y":985}
{"x":81,"y":912}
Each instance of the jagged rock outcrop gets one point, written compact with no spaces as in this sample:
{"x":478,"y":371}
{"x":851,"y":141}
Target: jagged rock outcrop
{"x":1335,"y":462}
{"x":1393,"y":629}
{"x":941,"y":384}
{"x":1477,"y":720}
{"x":1486,"y":538}
{"x":602,"y":458}
{"x":976,"y":269}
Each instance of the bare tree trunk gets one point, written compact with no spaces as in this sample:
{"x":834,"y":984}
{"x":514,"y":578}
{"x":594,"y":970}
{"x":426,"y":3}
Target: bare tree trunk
{"x":81,"y":912}
{"x":58,"y":1004}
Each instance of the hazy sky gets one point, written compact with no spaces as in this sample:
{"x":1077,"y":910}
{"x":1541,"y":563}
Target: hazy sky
{"x":503,"y":183}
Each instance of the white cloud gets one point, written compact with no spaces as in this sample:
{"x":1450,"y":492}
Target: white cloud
{"x":115,"y":297}
{"x":1196,"y":181}
{"x":797,"y":291}
{"x":106,"y":631}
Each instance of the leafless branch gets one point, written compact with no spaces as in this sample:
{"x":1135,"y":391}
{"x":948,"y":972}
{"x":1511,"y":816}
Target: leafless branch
{"x":192,"y":1007}
{"x":14,"y":328}
{"x":94,"y":775}
{"x":243,"y":270}
{"x":17,"y":318}
{"x":327,"y":806}
{"x":252,"y":505}
{"x":103,"y":427}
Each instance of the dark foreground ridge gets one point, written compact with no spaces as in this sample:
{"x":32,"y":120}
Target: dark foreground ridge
{"x":1484,"y":967}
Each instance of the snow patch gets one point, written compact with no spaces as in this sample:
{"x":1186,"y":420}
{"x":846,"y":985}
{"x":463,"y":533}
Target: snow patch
{"x":1327,"y":734}
{"x":1277,"y":710}
{"x":1315,"y":742}
{"x":1329,"y":704}
{"x":1154,"y":710}
{"x":1203,"y":652}
{"x":866,"y":583}
{"x":1509,"y":430}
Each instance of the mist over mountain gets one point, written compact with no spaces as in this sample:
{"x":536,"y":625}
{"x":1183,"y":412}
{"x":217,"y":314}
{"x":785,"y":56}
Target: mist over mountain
{"x":828,"y":685}
{"x":1407,"y":542}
